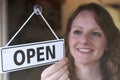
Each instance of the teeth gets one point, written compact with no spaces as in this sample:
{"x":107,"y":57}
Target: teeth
{"x":84,"y":50}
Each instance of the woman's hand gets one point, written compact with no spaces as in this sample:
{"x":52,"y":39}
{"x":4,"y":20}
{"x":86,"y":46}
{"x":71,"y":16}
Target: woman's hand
{"x":57,"y":71}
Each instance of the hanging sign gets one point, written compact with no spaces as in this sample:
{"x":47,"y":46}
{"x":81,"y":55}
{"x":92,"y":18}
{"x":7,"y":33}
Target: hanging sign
{"x":13,"y":58}
{"x":18,"y":57}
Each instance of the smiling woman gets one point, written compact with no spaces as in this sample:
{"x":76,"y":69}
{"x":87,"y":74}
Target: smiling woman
{"x":88,"y":45}
{"x":92,"y":44}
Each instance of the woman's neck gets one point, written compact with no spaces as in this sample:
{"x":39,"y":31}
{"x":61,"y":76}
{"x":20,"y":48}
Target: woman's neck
{"x":88,"y":71}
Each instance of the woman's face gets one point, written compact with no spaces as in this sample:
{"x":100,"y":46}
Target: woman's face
{"x":87,"y":41}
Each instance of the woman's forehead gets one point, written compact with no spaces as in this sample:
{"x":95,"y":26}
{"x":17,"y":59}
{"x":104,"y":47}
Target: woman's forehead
{"x":85,"y":18}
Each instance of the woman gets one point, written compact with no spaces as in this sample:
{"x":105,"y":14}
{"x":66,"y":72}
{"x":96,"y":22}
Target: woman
{"x":92,"y":43}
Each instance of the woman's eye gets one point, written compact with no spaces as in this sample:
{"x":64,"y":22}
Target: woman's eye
{"x":97,"y":34}
{"x":77,"y":32}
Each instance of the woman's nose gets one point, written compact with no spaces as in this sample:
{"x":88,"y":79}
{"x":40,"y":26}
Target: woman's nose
{"x":84,"y":39}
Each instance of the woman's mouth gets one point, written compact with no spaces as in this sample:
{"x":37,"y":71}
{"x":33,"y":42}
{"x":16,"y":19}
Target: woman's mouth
{"x":85,"y":50}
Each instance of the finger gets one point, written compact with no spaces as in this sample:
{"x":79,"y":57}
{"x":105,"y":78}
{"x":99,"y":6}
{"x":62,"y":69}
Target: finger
{"x":54,"y":68}
{"x":68,"y":79}
{"x":65,"y":76}
{"x":58,"y":74}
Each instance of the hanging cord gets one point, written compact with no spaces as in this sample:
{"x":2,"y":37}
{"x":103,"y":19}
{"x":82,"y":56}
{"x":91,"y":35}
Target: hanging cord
{"x":20,"y":29}
{"x":36,"y":11}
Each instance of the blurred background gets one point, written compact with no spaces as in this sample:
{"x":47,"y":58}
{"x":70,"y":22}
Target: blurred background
{"x":13,"y":13}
